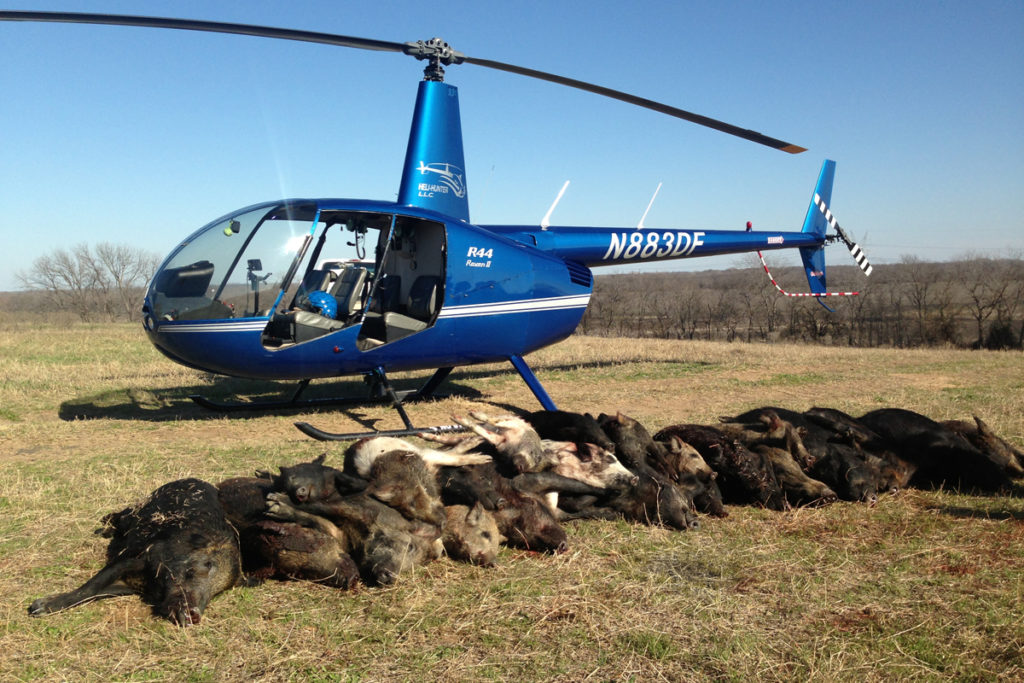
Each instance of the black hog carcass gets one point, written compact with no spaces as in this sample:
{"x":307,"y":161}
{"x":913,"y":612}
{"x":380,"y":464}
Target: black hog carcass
{"x":941,"y":455}
{"x":176,"y":549}
{"x":744,"y":476}
{"x":383,"y":543}
{"x":311,"y":549}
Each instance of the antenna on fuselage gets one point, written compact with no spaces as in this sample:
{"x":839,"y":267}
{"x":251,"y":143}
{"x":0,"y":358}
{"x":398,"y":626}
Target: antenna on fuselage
{"x":546,"y":221}
{"x":640,"y":225}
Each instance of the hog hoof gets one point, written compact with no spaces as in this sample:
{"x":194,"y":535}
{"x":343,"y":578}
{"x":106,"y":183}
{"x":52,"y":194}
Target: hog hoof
{"x":39,"y":607}
{"x":279,"y":507}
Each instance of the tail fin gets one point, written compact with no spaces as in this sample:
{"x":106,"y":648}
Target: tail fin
{"x":816,"y":222}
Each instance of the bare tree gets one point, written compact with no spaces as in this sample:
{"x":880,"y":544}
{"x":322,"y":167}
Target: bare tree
{"x":984,"y":290}
{"x":128,"y":269}
{"x":66,"y":281}
{"x":105,"y":283}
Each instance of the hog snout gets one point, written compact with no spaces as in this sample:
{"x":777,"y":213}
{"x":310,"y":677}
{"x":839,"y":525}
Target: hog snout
{"x":183,"y":612}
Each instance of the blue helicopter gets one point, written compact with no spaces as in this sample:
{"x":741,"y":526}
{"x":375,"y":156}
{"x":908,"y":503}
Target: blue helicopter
{"x":300,"y":289}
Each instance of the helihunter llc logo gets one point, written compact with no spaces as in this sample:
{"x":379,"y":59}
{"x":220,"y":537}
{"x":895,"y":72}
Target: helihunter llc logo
{"x":449,"y":179}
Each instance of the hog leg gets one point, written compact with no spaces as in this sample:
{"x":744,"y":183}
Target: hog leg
{"x":107,"y":583}
{"x":280,"y":508}
{"x":541,"y":483}
{"x":457,"y":443}
{"x":548,"y":485}
{"x":592,"y":513}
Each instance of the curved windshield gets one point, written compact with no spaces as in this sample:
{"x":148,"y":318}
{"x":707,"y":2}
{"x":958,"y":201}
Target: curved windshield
{"x":234,"y":267}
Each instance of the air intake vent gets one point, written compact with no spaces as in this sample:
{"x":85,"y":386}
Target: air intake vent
{"x":580,"y":274}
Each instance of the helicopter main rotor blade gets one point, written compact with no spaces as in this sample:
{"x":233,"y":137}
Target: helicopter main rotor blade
{"x":210,"y":26}
{"x":434,"y":49}
{"x":744,"y":133}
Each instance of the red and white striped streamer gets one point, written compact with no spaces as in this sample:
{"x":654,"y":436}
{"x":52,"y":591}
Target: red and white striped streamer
{"x":784,"y":292}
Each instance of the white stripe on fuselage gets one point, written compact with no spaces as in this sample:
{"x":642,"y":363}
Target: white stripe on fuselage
{"x":521,"y":306}
{"x":555,"y":303}
{"x":219,"y":326}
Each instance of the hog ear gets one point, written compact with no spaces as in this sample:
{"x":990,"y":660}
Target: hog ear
{"x":982,"y":427}
{"x":474,"y":514}
{"x":689,"y":450}
{"x":384,"y":493}
{"x":320,"y":459}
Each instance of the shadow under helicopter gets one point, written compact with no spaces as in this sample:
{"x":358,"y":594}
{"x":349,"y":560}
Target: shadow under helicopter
{"x":168,"y":404}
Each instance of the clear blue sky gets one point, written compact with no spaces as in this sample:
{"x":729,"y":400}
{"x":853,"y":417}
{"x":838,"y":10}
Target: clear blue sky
{"x":139,"y":136}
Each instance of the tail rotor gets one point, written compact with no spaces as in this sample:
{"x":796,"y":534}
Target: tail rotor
{"x":855,"y":250}
{"x":817,"y":223}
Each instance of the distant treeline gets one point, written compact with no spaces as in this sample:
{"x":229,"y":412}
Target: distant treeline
{"x":975,"y":302}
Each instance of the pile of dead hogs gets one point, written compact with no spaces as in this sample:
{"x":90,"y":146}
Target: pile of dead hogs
{"x":514,"y":480}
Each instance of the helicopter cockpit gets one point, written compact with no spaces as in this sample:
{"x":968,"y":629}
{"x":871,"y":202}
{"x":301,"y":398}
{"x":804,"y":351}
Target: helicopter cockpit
{"x":311,"y":269}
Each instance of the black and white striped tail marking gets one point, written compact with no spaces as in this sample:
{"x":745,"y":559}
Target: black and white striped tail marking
{"x":858,"y":254}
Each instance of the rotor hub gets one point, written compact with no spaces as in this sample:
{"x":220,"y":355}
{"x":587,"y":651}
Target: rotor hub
{"x":438,"y":54}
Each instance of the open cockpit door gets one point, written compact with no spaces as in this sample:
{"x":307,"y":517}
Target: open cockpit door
{"x":408,"y":288}
{"x":376,"y":270}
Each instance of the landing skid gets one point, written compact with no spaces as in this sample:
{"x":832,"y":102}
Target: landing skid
{"x":381,"y":383}
{"x":377,"y":397}
{"x":383,"y":386}
{"x":320,"y":435}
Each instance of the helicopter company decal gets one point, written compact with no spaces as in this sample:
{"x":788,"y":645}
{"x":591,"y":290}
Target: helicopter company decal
{"x":652,"y":244}
{"x":449,"y":179}
{"x":776,"y":239}
{"x":225,"y":326}
{"x":479,"y":253}
{"x":555,"y":303}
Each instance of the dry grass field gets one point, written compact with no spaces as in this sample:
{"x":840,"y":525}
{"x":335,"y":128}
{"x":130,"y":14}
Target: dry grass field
{"x":925,"y":585}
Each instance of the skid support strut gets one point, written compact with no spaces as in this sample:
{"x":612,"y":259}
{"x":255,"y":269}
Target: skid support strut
{"x":531,"y":381}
